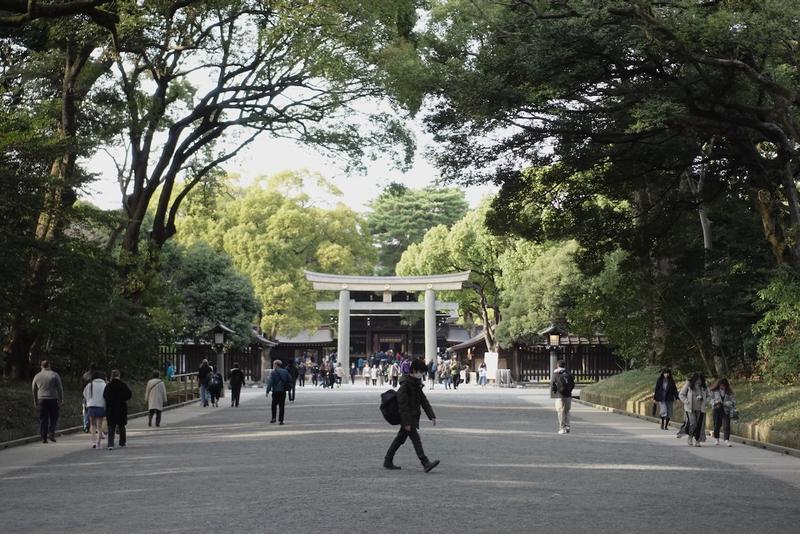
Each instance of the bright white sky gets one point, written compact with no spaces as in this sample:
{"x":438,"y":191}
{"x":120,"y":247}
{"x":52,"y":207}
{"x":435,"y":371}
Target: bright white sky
{"x":268,"y":156}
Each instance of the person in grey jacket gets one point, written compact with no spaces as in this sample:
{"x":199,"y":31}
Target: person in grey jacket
{"x":695,"y":397}
{"x":278,"y":383}
{"x":48,"y":396}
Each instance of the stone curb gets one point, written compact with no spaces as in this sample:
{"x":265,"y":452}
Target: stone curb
{"x":734,"y":438}
{"x":76,"y":429}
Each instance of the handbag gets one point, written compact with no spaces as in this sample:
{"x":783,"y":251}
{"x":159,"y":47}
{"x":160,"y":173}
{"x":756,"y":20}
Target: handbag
{"x":733,"y":413}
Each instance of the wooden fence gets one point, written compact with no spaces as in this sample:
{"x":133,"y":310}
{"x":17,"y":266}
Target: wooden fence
{"x":187,"y":359}
{"x":588,"y":363}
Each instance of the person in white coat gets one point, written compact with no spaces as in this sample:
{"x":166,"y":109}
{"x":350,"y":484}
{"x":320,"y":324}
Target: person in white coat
{"x":156,"y":394}
{"x":96,"y":404}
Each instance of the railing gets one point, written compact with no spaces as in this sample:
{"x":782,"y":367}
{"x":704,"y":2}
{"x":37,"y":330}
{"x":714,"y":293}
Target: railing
{"x":191,"y":386}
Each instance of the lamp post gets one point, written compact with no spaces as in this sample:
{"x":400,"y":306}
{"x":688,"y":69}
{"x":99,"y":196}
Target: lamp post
{"x":219,"y":332}
{"x":554,"y":344}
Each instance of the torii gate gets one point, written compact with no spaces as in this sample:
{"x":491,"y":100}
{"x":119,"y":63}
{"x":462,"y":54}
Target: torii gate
{"x":387,"y":285}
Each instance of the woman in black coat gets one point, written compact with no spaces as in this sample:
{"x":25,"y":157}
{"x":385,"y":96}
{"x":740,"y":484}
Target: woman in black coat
{"x":117,"y":394}
{"x":666,"y":393}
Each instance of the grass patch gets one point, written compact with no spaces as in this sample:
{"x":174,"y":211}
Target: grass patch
{"x":775,"y":407}
{"x":19,"y":419}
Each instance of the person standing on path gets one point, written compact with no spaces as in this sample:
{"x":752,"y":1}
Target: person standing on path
{"x":432,"y":369}
{"x":722,"y":401}
{"x":96,"y":404}
{"x":301,"y":374}
{"x":367,"y":374}
{"x":116,"y":394}
{"x":338,"y":374}
{"x":561,"y":386}
{"x":203,"y":375}
{"x":374,"y":374}
{"x":278,"y":384}
{"x":48,"y":396}
{"x":695,"y":397}
{"x":353,"y":372}
{"x":666,"y":393}
{"x":315,"y":374}
{"x":394,"y":372}
{"x":156,"y":394}
{"x":410,"y":402}
{"x":236,"y":380}
{"x":482,"y":374}
{"x":455,"y":372}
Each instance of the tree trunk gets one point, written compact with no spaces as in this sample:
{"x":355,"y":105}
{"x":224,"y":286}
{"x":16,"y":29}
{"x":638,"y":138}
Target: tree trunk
{"x":770,"y":211}
{"x":26,"y":330}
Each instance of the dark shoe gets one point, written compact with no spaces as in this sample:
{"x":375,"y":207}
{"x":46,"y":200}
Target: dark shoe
{"x":388,"y":464}
{"x":52,"y":438}
{"x":44,"y":440}
{"x":429,"y":466}
{"x":272,"y":420}
{"x":280,"y":423}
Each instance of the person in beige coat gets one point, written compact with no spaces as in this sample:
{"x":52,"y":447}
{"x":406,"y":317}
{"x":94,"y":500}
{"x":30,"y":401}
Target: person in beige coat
{"x":695,"y":397}
{"x":156,"y":394}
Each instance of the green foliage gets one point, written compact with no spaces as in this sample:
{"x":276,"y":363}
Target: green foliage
{"x":273,"y":233}
{"x":779,"y":328}
{"x":539,"y":295}
{"x":209,"y":290}
{"x":401,"y":216}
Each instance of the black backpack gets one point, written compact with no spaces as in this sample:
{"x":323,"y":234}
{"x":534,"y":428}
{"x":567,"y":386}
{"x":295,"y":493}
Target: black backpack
{"x":565,"y":383}
{"x":389,"y":407}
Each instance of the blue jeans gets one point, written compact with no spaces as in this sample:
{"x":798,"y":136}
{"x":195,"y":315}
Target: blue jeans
{"x":482,"y":380}
{"x":204,"y":396}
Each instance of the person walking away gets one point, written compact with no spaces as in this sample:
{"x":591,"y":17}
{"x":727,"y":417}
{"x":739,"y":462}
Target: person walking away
{"x":374,"y":374}
{"x":85,"y":379}
{"x":203,"y":376}
{"x":353,"y":372}
{"x":394,"y":372}
{"x":278,"y":384}
{"x":214,"y":386}
{"x":482,"y":374}
{"x":293,"y":373}
{"x":367,"y":374}
{"x":301,"y":374}
{"x":96,"y":404}
{"x":446,"y":375}
{"x":665,"y":394}
{"x":463,"y":375}
{"x":156,"y":394}
{"x":695,"y":397}
{"x":561,"y":386}
{"x":48,"y":396}
{"x":236,"y":380}
{"x":411,"y":400}
{"x":338,"y":374}
{"x":117,"y":394}
{"x":722,"y":401}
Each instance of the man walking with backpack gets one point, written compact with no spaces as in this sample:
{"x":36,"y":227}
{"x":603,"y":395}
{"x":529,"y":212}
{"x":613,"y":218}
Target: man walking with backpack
{"x":561,"y":387}
{"x":410,"y":403}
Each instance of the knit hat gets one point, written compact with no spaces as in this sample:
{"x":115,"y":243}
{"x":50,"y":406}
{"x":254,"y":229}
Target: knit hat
{"x":405,"y":367}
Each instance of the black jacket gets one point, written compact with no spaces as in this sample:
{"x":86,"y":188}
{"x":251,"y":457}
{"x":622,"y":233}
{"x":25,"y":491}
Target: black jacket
{"x":117,"y":394}
{"x":410,"y":399}
{"x":203,"y":374}
{"x":671,"y":393}
{"x":237,"y":378}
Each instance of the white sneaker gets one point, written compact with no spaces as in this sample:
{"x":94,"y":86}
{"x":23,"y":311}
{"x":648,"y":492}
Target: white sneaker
{"x":690,"y":441}
{"x":728,"y":443}
{"x":562,"y":431}
{"x":716,"y":441}
{"x":696,"y":443}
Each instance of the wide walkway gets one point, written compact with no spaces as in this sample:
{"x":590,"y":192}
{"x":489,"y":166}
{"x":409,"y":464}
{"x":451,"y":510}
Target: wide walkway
{"x":504,"y":469}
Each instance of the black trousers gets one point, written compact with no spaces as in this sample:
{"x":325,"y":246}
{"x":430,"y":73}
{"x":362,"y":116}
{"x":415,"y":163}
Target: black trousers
{"x":401,"y":437}
{"x":394,"y":381}
{"x":722,"y":420}
{"x":112,"y":431}
{"x":150,"y":415}
{"x":48,"y":417}
{"x":302,"y":379}
{"x":291,"y":392}
{"x":314,"y":380}
{"x":235,"y":392}
{"x":279,"y":404}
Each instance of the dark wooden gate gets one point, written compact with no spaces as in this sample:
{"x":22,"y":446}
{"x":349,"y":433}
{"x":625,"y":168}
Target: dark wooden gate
{"x":187,"y":359}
